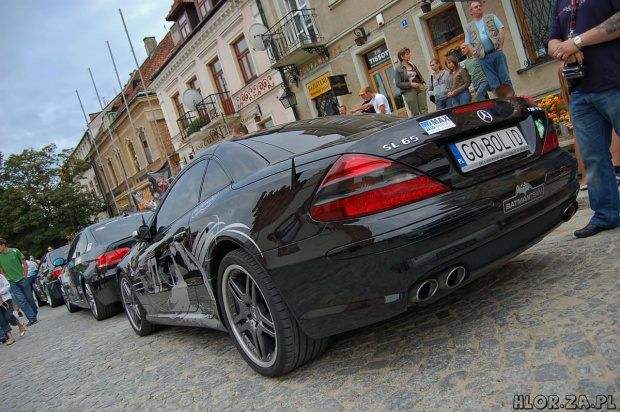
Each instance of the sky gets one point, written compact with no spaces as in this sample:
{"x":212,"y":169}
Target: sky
{"x":46,"y":49}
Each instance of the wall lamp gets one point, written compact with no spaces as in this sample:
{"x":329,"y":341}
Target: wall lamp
{"x":361,"y":36}
{"x":288,"y":99}
{"x":426,"y":6}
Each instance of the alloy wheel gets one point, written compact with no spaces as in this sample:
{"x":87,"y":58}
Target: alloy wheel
{"x":91,"y":300}
{"x":249,"y":316}
{"x":130,"y":302}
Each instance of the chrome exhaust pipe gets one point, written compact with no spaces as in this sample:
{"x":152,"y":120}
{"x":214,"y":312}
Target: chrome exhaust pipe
{"x":423,"y":290}
{"x":570,"y":211}
{"x":451,"y":278}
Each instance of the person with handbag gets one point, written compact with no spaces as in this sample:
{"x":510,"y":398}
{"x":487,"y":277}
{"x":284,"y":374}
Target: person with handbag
{"x":412,"y":87}
{"x":438,"y":85}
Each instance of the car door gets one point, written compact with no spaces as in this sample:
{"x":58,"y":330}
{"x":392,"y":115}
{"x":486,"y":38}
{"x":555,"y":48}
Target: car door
{"x":202,"y":225}
{"x":74,"y":269}
{"x":167,"y":264}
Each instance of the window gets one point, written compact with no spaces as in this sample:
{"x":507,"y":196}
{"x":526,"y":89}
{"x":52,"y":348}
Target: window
{"x":222,"y":87}
{"x":534,"y":24}
{"x":182,"y":196}
{"x":245,"y":60}
{"x":145,"y":146}
{"x":184,"y":27}
{"x":215,"y":180}
{"x":112,"y":173}
{"x":134,"y":156}
{"x":203,"y":7}
{"x":193,"y":84}
{"x":176,"y":100}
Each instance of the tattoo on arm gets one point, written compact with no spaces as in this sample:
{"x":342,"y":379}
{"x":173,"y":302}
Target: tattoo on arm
{"x":611,"y":25}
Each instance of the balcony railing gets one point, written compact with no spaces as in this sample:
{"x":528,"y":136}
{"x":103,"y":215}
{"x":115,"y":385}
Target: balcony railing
{"x":295,"y":31}
{"x":210,"y":110}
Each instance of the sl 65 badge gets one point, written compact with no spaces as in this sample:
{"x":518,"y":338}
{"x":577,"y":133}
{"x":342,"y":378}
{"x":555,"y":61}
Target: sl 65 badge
{"x":403,"y":142}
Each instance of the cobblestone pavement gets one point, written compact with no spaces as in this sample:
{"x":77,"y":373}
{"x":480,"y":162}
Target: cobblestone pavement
{"x":547,"y":323}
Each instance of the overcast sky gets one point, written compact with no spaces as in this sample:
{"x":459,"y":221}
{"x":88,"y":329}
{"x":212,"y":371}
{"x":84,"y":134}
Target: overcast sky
{"x":46,"y":48}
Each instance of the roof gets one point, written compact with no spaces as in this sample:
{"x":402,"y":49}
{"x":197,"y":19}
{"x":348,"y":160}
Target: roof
{"x":177,"y":8}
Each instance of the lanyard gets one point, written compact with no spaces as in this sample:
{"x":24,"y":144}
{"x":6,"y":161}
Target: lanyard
{"x":574,"y":5}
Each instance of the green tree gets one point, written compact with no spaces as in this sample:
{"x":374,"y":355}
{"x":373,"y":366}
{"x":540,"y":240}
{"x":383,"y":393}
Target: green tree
{"x":41,"y":201}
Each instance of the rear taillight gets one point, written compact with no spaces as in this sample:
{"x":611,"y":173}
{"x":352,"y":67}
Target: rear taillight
{"x":112,"y":257}
{"x":57,"y":272}
{"x":360,"y":185}
{"x":551,"y":141}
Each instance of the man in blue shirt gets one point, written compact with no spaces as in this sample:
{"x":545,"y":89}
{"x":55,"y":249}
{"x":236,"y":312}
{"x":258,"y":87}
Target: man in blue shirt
{"x":593,"y":39}
{"x":486,"y":35}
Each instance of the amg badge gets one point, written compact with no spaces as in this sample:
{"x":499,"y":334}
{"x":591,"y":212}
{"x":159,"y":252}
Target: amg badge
{"x":524,"y":194}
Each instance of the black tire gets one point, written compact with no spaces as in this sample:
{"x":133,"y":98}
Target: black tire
{"x":98,"y":309}
{"x":53,"y":302}
{"x":133,"y":308}
{"x":259,"y":321}
{"x":70,"y":307}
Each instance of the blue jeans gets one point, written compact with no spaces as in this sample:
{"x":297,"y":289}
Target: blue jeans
{"x":495,"y":67}
{"x":22,"y":293}
{"x":594,"y":115}
{"x":441,"y":104}
{"x":459,"y":99}
{"x":481,"y":91}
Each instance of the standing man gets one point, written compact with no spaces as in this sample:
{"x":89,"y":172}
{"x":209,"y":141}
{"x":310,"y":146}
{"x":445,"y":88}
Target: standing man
{"x":478,"y":79}
{"x":485,"y":33}
{"x":588,"y":33}
{"x":13,"y":267}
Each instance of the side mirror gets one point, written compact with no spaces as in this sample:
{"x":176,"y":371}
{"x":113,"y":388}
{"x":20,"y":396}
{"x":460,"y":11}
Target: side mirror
{"x":143,"y":233}
{"x":58,"y":262}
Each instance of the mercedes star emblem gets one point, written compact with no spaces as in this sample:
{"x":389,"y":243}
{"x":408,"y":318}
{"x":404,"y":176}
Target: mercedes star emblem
{"x":485,"y":116}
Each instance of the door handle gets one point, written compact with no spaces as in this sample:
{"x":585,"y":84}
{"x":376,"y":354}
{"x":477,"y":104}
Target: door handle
{"x":179,"y":236}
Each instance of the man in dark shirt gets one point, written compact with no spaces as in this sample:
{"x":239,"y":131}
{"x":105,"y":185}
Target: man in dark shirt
{"x":593,"y":39}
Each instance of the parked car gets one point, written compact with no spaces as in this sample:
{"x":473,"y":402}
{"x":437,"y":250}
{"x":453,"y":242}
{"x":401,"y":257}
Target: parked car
{"x":89,"y":280}
{"x":287,"y":236}
{"x":47,"y":284}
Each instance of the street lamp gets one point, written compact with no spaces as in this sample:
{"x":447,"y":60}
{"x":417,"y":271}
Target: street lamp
{"x":288,"y":99}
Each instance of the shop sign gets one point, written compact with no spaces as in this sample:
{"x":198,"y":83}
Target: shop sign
{"x":377,"y":57}
{"x":253,"y":92}
{"x":338,"y":85}
{"x":319,"y":86}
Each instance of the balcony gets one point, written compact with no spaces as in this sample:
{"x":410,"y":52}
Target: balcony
{"x":212,"y":112}
{"x":289,"y":41}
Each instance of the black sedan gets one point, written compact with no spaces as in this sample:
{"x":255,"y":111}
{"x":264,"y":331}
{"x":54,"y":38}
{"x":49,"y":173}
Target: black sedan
{"x":47,"y":283}
{"x":89,"y":278}
{"x":290,"y":235}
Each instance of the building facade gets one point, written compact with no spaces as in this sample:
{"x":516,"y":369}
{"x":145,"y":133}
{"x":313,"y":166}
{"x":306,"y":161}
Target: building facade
{"x":215,"y":79}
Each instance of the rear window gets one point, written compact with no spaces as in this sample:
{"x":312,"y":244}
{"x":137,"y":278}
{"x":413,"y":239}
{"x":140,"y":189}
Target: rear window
{"x":117,"y":229}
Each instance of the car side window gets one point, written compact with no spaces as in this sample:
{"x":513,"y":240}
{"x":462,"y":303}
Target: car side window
{"x":80,"y":248}
{"x":73,"y":249}
{"x":182,"y":196}
{"x":215,"y":180}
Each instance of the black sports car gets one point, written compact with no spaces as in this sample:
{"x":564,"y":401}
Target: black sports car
{"x":47,"y":283}
{"x":89,"y":277}
{"x":290,"y":235}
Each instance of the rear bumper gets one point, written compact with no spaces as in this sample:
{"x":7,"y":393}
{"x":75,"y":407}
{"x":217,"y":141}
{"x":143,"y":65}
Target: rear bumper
{"x":367,"y":281}
{"x":105,"y":287}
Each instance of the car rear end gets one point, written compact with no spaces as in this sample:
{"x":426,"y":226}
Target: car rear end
{"x":51,"y":274}
{"x":425,"y":207}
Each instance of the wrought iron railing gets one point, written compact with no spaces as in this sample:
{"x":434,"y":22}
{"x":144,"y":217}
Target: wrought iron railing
{"x":184,"y":122}
{"x":534,"y":24}
{"x":214,"y":106}
{"x":295,"y":30}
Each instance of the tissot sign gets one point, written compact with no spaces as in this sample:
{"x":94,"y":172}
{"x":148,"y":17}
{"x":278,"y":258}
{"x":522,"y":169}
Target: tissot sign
{"x":254,"y":91}
{"x":377,"y":57}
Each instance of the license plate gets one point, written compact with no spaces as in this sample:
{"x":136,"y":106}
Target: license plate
{"x":489,"y":148}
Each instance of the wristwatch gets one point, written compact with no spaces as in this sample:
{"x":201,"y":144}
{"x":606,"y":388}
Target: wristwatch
{"x":577,"y":41}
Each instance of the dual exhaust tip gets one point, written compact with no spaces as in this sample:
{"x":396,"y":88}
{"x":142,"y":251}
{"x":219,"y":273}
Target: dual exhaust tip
{"x":426,"y":289}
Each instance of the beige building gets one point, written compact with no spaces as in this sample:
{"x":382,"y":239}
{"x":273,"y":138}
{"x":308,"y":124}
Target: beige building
{"x":215,"y":79}
{"x":316,"y":41}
